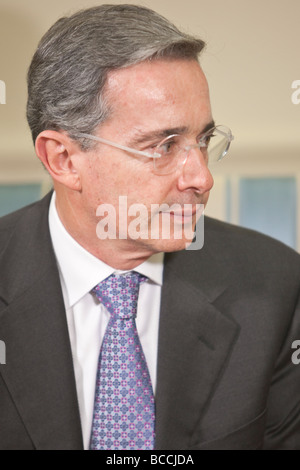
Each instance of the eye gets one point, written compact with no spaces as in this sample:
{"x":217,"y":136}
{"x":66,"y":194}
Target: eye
{"x":206,"y":138}
{"x":168,"y":147}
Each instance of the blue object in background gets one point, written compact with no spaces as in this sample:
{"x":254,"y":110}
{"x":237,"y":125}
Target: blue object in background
{"x":269,"y":205}
{"x":15,"y":196}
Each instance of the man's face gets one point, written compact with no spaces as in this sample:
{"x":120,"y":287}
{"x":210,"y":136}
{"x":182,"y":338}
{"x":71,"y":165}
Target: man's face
{"x":149,"y":100}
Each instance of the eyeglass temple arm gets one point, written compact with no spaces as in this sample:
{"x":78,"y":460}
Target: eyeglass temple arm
{"x":230,"y":137}
{"x":121,"y":147}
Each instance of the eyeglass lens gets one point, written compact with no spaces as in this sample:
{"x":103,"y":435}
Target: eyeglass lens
{"x":173,"y":150}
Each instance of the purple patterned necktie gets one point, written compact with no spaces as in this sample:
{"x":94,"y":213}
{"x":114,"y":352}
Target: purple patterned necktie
{"x":124,"y":404}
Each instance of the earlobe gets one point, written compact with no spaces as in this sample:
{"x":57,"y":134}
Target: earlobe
{"x":57,"y":153}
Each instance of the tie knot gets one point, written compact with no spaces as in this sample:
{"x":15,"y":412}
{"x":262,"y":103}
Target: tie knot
{"x":119,"y":293}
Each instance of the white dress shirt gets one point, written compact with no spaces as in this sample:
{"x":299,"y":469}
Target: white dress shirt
{"x":79,"y":272}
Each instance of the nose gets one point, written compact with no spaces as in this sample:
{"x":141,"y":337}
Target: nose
{"x":195,"y":173}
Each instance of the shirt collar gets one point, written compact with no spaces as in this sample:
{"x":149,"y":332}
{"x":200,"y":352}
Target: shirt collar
{"x":80,"y":270}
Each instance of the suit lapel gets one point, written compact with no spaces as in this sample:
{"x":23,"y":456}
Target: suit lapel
{"x":39,"y":370}
{"x":195,"y":340}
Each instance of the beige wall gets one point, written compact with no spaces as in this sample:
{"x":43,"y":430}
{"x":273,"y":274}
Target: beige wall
{"x":251,"y":60}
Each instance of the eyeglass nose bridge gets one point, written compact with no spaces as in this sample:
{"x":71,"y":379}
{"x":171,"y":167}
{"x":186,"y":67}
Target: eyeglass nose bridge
{"x":188,"y":148}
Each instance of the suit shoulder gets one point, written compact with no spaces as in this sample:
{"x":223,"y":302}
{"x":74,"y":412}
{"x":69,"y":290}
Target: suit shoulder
{"x":240,"y":257}
{"x":237,"y":238}
{"x":237,"y":252}
{"x":9,"y":223}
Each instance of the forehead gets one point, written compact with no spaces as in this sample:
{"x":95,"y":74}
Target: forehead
{"x":174,"y":91}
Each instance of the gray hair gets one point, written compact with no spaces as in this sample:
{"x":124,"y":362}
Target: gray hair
{"x":67,"y":76}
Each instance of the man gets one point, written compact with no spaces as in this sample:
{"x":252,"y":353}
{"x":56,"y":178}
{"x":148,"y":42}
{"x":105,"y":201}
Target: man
{"x":120,"y":115}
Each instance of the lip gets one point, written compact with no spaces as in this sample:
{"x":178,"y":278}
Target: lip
{"x":186,"y":213}
{"x":183,"y":215}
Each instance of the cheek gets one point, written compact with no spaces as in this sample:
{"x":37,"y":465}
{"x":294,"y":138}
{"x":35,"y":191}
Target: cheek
{"x":98,"y":181}
{"x":104,"y":181}
{"x":148,"y":189}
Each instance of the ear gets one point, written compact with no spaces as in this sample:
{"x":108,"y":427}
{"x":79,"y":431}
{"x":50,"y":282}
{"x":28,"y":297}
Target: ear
{"x":59,"y":154}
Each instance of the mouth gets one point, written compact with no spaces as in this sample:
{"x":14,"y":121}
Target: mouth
{"x":187,"y":212}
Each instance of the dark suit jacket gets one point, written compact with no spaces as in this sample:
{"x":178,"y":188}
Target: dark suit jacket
{"x":228,"y":319}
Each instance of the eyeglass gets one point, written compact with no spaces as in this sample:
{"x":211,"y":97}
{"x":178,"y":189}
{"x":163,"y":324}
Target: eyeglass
{"x":173,"y":151}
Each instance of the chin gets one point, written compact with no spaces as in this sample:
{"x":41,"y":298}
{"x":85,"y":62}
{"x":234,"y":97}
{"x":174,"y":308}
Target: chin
{"x":167,"y":246}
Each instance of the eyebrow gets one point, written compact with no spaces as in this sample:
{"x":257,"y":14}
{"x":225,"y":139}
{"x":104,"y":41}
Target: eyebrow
{"x":162,"y":133}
